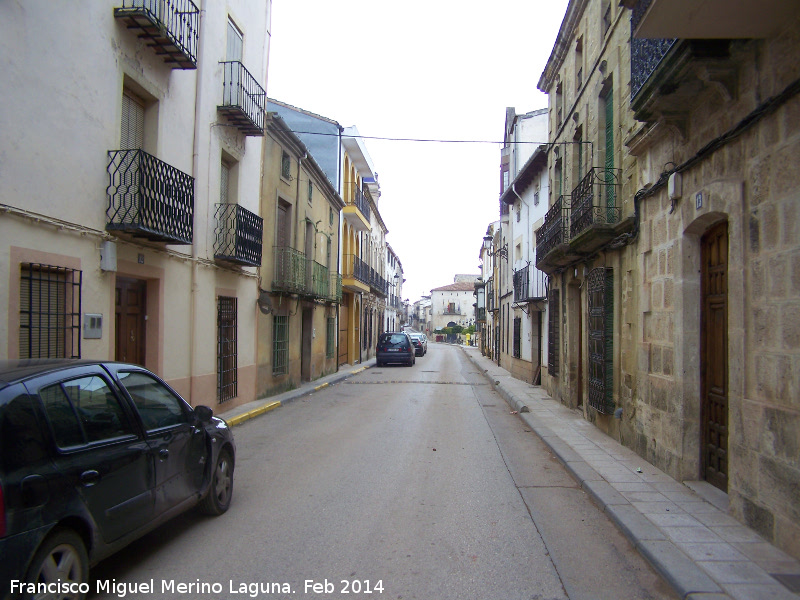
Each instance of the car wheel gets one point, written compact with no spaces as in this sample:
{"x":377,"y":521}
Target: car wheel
{"x":61,"y":558}
{"x":219,"y":495}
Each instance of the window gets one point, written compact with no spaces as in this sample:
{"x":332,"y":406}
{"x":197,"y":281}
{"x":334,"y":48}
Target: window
{"x":330,"y":338}
{"x":226,"y":349}
{"x":156,"y":404}
{"x":517,"y":337}
{"x":85,"y":410}
{"x":330,"y":216}
{"x":606,"y":17}
{"x":235,"y":42}
{"x":601,"y":339}
{"x":553,"y":319}
{"x":224,"y":182}
{"x":280,"y":345}
{"x":519,"y":213}
{"x":310,"y":192}
{"x":286,"y":166}
{"x":559,"y":105}
{"x":132,"y":126}
{"x":536,"y":199}
{"x":50,"y":312}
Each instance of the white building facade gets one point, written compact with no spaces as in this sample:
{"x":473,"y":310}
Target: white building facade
{"x":130,"y":187}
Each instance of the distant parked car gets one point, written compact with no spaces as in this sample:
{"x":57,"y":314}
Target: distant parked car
{"x":93,"y":455}
{"x":420,"y":343}
{"x":395,"y":347}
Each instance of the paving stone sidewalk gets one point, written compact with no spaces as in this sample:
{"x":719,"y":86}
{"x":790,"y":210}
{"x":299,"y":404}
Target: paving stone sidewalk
{"x":683,"y":529}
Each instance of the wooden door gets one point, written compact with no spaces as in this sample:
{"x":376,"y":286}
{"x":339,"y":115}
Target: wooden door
{"x":714,"y":355}
{"x":130,"y":310}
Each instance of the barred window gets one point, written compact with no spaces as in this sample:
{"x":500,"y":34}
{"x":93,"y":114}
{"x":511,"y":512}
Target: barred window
{"x":50,"y":312}
{"x":553,"y":319}
{"x":226,"y":349}
{"x":601,"y":339}
{"x":517,"y":337}
{"x":330,"y":339}
{"x":286,"y":166}
{"x":280,"y":345}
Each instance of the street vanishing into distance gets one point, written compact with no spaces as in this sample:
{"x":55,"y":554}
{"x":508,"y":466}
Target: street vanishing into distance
{"x":401,"y":483}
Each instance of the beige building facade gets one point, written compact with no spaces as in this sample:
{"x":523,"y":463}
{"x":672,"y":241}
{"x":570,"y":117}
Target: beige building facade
{"x":131,"y":164}
{"x":669,"y":243}
{"x":300,"y":285}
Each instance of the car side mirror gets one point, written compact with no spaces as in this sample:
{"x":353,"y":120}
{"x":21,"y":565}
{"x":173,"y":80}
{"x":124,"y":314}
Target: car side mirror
{"x":204,"y":413}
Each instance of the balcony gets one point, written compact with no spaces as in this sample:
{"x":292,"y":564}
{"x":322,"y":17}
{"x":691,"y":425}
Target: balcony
{"x":243,"y":99}
{"x":480,"y":314}
{"x":169,"y":26}
{"x":594,"y":213}
{"x":335,"y":289}
{"x":689,"y":19}
{"x":552,"y":238}
{"x":238,"y":235}
{"x":355,"y":273}
{"x":452,"y":310}
{"x":148,"y":198}
{"x":289,"y":273}
{"x":530,"y":284}
{"x":356,"y":210}
{"x":378,"y":284}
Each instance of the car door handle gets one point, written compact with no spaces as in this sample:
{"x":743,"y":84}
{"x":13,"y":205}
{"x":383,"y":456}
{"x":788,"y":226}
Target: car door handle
{"x":163,"y":454}
{"x":89,"y":478}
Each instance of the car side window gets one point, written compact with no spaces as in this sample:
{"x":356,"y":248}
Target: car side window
{"x":157,"y":406}
{"x":20,"y":435}
{"x":84,"y":410}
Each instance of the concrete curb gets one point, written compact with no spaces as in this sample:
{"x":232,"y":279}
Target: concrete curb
{"x":265,"y":405}
{"x":680,"y":571}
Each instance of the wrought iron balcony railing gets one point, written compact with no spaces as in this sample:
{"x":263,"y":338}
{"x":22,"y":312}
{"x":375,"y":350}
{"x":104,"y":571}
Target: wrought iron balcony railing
{"x":360,"y":201}
{"x":243,"y":99}
{"x":529,"y":284}
{"x":171,"y":26}
{"x":320,"y":281}
{"x":355,"y":268}
{"x":555,"y":230}
{"x":149,"y":198}
{"x":594,"y":200}
{"x":646,"y":54}
{"x":335,"y":290}
{"x":289,"y":273}
{"x":238,"y":235}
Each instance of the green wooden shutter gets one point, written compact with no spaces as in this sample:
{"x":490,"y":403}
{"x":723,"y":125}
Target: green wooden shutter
{"x":610,"y":195}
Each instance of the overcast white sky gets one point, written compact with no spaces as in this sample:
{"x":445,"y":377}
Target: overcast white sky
{"x":433,"y":69}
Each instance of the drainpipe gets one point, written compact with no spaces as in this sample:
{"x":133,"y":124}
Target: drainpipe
{"x":198,"y":88}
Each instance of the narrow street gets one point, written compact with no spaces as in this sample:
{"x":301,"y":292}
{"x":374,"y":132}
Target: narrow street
{"x":399,"y":483}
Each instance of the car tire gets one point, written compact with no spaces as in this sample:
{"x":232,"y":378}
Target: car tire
{"x":220,"y":492}
{"x":61,"y":557}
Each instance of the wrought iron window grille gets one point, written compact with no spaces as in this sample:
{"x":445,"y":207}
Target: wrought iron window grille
{"x":227,"y":354}
{"x":149,"y":198}
{"x":517,"y":337}
{"x":280,"y":345}
{"x":553,"y":329}
{"x":50,"y":312}
{"x":600,"y":284}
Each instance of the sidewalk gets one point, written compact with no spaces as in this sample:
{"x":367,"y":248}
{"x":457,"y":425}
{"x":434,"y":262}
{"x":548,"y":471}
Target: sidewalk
{"x":682,"y":529}
{"x":242,"y":413}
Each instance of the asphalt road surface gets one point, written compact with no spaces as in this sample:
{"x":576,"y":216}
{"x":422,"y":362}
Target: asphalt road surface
{"x":400,"y":483}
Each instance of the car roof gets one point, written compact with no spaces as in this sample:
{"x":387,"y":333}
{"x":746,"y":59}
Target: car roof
{"x":14,"y":371}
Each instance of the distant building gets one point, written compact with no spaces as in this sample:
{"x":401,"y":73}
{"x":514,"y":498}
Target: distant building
{"x":452,"y":304}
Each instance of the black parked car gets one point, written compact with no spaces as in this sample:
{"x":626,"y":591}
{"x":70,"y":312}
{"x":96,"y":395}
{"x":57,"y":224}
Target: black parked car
{"x":395,"y":347}
{"x":94,"y":455}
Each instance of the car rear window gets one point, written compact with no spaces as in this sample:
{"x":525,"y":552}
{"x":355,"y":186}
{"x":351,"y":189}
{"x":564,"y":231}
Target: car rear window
{"x":396,"y":339}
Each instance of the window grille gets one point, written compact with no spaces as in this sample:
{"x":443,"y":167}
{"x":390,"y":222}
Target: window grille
{"x":517,"y":337}
{"x":226,"y":349}
{"x":280,"y":345}
{"x":601,"y":340}
{"x":50,"y":312}
{"x":330,"y":340}
{"x":286,"y":166}
{"x":554,"y":317}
